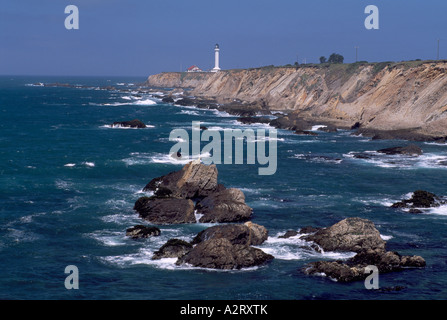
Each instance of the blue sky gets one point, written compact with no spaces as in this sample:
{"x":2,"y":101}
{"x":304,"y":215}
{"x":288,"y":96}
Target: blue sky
{"x":142,"y":37}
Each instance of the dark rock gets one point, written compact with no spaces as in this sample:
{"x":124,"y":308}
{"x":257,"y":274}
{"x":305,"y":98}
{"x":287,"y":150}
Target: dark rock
{"x":328,"y":128}
{"x":222,"y":254}
{"x":351,"y":234}
{"x":289,"y":234}
{"x":130,"y":124}
{"x":356,"y":126}
{"x":412,"y":150}
{"x":308,"y":229}
{"x":174,"y":248}
{"x":415,"y":211}
{"x":251,"y":120}
{"x":360,"y":236}
{"x":186,"y":102}
{"x":246,"y":234}
{"x":224,"y":206}
{"x":142,"y":232}
{"x":306,"y":132}
{"x":193,"y":180}
{"x":166,"y":210}
{"x":203,"y":128}
{"x":168,"y":100}
{"x":420,"y":199}
{"x":291,"y":122}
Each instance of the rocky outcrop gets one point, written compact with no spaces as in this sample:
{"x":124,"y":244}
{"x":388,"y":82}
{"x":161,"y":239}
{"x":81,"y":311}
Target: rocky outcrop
{"x":179,"y":194}
{"x":245,"y":234}
{"x":420,"y":199}
{"x":352,"y":234}
{"x":227,"y":205}
{"x":220,"y":253}
{"x":410,"y":150}
{"x":142,"y":232}
{"x":166,"y":210}
{"x":359,"y":236}
{"x":130,"y":124}
{"x":192,"y":181}
{"x":174,"y":248}
{"x":409,"y":96}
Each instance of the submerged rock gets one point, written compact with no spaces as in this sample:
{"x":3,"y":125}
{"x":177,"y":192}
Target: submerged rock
{"x":142,"y":232}
{"x":130,"y":124}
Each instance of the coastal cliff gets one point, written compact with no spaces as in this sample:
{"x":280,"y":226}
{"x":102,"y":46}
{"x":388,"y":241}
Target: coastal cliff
{"x":378,"y":96}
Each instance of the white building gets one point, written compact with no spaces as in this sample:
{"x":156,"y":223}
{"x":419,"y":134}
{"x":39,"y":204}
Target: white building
{"x":216,"y":59}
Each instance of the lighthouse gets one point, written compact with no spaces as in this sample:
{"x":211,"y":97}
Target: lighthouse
{"x":216,"y":58}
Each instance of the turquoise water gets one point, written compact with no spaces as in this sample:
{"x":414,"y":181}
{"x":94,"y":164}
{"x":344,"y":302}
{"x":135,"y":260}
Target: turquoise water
{"x":68,"y":182}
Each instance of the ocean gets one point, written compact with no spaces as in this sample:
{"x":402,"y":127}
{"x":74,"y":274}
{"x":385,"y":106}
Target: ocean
{"x":69,"y":180}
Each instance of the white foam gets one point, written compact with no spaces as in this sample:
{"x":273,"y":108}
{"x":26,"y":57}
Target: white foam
{"x":318,"y":127}
{"x":89,"y":164}
{"x":70,"y":165}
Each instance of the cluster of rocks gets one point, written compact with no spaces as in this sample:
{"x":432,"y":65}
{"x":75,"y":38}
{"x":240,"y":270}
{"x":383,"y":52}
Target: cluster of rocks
{"x":192,"y":195}
{"x":193,"y":191}
{"x":420,"y":200}
{"x":359,"y":236}
{"x":228,"y":246}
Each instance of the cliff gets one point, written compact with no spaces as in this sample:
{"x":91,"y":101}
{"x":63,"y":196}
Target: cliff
{"x":380,"y":96}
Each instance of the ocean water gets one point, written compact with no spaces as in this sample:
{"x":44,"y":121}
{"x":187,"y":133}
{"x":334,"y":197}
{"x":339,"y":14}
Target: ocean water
{"x":68,"y":182}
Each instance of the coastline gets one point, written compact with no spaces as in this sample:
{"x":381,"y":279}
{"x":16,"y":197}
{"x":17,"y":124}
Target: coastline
{"x":406,"y":100}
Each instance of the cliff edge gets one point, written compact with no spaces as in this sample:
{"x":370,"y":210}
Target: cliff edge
{"x":379,"y":96}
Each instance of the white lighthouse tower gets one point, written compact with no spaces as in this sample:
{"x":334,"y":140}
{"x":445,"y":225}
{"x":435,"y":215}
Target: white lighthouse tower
{"x":216,"y":58}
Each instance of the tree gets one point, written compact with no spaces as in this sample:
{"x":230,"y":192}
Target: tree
{"x":323,"y":59}
{"x":336,"y":58}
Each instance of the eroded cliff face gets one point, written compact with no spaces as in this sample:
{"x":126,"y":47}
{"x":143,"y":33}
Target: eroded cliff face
{"x":380,"y":96}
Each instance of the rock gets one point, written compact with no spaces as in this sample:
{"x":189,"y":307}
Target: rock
{"x":360,"y":236}
{"x":289,"y":234}
{"x":306,"y":132}
{"x":168,"y":100}
{"x":130,"y":124}
{"x":174,"y":248}
{"x":166,"y":210}
{"x":186,"y":102}
{"x":308,"y":229}
{"x":291,"y":122}
{"x":411,"y":150}
{"x":420,"y":199}
{"x":246,"y":234}
{"x":356,"y":125}
{"x":193,"y":180}
{"x":251,"y":120}
{"x":203,"y":128}
{"x":335,"y":270}
{"x":224,"y":206}
{"x":351,"y":234}
{"x":222,"y":254}
{"x":142,"y":232}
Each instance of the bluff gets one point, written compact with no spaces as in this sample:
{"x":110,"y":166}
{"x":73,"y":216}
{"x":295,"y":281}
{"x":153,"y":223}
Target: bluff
{"x":379,"y":96}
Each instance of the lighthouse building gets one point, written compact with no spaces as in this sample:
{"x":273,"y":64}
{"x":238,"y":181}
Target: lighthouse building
{"x":216,"y":59}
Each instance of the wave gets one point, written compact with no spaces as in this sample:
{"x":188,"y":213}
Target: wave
{"x":145,"y":159}
{"x":295,"y":248}
{"x":117,"y":126}
{"x":146,"y":102}
{"x":425,"y":161}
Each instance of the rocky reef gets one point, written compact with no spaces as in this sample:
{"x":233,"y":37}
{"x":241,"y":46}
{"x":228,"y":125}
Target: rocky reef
{"x":359,"y":236}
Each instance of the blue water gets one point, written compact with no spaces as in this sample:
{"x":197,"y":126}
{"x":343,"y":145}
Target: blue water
{"x":68,"y":182}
